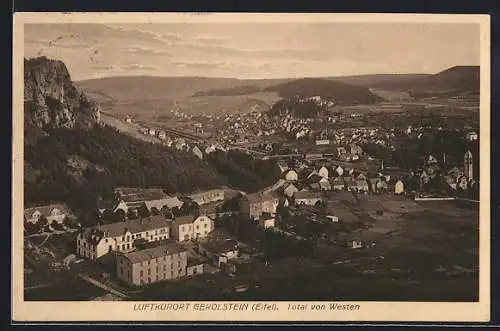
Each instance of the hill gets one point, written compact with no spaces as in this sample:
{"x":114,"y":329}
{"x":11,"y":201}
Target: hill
{"x":450,"y":82}
{"x":336,"y":91}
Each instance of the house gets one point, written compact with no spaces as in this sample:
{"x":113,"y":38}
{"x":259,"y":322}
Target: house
{"x":266,"y":221}
{"x":255,"y":204}
{"x":471,"y":136}
{"x":152,"y":132}
{"x":162,"y":135}
{"x":381,"y":185}
{"x":191,"y":227}
{"x":323,"y":172}
{"x":197,"y":151}
{"x":290,"y":189}
{"x":339,"y":170}
{"x":351,"y":185}
{"x":220,"y":251}
{"x":355,"y":149}
{"x":195,"y":266}
{"x":361,"y":176}
{"x":338,"y":184}
{"x":128,"y":119}
{"x":332,"y":218}
{"x":204,"y":197}
{"x":399,"y":187}
{"x":52,"y":213}
{"x":127,"y":198}
{"x":94,"y":242}
{"x":291,"y":175}
{"x":151,"y":265}
{"x":462,"y":183}
{"x":362,"y":185}
{"x":324,"y":184}
{"x":307,"y":198}
{"x":341,"y":151}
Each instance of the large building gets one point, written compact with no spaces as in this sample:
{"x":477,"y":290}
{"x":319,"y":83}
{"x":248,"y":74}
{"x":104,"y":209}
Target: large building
{"x":133,"y":198}
{"x":191,"y":227}
{"x":255,"y":204}
{"x":158,"y":263}
{"x":202,"y":198}
{"x":96,"y":241}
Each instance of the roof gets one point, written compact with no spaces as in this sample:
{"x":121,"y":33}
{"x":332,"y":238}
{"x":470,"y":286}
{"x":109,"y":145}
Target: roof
{"x":260,"y":196}
{"x":155,"y":252}
{"x":134,"y":194}
{"x":306,"y":195}
{"x":119,"y":228}
{"x":189,"y":219}
{"x":44,"y":210}
{"x":220,"y":246}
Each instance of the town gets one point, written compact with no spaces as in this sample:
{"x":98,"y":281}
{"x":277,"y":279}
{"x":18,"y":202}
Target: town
{"x":333,"y":205}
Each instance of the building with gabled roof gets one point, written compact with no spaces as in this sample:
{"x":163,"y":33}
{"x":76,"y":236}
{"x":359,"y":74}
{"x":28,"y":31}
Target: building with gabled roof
{"x":162,"y":262}
{"x":52,"y":213}
{"x":96,"y":241}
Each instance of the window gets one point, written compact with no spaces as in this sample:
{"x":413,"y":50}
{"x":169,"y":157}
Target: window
{"x":164,"y":267}
{"x":149,"y":271}
{"x":123,"y":238}
{"x":146,"y":233}
{"x":197,"y":227}
{"x":179,"y":264}
{"x":149,"y":279}
{"x":128,"y":246}
{"x":142,"y":273}
{"x":206,"y":225}
{"x":123,"y":247}
{"x":106,"y":240}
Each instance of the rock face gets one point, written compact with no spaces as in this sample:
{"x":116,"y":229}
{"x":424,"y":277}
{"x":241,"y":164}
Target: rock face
{"x":52,"y":100}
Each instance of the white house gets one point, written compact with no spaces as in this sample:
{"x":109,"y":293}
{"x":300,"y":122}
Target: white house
{"x":52,"y":213}
{"x":323,"y":172}
{"x":399,"y":187}
{"x":292,"y":175}
{"x":191,"y":227}
{"x":290,"y":190}
{"x":96,"y":241}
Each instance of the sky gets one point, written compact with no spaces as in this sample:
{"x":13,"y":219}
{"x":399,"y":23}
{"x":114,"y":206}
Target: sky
{"x":253,"y":50}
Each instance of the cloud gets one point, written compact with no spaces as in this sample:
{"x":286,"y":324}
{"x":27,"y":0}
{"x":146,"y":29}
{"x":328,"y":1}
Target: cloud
{"x":123,"y":67}
{"x":201,"y":64}
{"x":210,"y":39}
{"x":135,"y":33}
{"x":138,"y":66}
{"x":148,"y":51}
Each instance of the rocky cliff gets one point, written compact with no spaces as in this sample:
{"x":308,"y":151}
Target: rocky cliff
{"x":52,"y":100}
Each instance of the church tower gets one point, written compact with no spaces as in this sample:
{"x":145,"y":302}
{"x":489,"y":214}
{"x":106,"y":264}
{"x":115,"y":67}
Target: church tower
{"x":468,"y":166}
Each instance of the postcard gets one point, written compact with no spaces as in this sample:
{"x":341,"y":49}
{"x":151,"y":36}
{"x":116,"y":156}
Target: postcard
{"x":251,"y":167}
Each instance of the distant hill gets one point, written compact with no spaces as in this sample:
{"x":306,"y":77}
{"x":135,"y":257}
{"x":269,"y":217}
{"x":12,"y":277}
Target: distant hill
{"x":450,"y":82}
{"x":339,"y":92}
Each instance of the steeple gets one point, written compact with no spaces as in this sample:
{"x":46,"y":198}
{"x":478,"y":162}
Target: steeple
{"x":468,"y":165}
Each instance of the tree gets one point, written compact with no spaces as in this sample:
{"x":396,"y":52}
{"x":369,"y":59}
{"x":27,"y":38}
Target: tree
{"x":42,"y":222}
{"x":154,"y":211}
{"x":143,"y":211}
{"x":132,"y":214}
{"x":108,"y":216}
{"x":120,"y":215}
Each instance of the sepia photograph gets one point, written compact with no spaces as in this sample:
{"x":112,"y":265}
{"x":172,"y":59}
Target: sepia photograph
{"x":251,"y":167}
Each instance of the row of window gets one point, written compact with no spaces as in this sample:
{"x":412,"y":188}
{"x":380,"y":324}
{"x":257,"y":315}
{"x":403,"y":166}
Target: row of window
{"x":161,"y":276}
{"x":190,"y":228}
